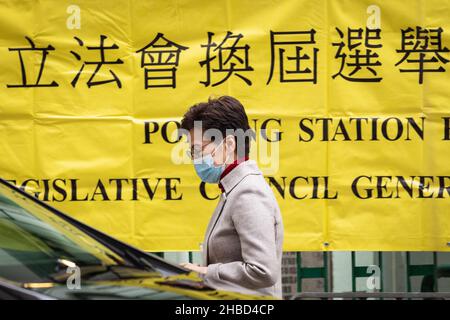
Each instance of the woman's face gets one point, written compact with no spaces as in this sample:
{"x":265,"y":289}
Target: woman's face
{"x":219,"y":151}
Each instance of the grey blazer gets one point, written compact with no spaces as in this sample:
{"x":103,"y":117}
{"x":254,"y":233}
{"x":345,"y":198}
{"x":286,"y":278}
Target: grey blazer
{"x":242,"y":247}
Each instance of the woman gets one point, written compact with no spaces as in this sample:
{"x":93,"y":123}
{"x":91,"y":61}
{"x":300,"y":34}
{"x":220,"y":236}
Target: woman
{"x":242,"y":247}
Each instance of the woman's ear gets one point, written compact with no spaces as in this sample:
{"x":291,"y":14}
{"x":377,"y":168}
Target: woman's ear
{"x":230,"y":143}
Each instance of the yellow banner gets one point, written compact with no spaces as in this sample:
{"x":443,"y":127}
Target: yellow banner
{"x":354,"y":96}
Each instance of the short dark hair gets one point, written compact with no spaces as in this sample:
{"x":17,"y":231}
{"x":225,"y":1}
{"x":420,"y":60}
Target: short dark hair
{"x":221,"y":113}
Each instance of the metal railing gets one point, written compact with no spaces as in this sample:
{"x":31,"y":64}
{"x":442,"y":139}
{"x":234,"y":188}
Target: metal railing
{"x":372,"y":295}
{"x":425,"y":275}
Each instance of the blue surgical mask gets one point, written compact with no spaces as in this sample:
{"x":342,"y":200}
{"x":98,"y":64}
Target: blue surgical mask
{"x":206,"y":169}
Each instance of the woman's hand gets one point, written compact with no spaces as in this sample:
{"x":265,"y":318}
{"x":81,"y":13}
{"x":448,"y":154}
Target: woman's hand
{"x":194,"y":267}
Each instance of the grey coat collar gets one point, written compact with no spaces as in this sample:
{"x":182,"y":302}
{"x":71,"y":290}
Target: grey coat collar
{"x":238,"y":173}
